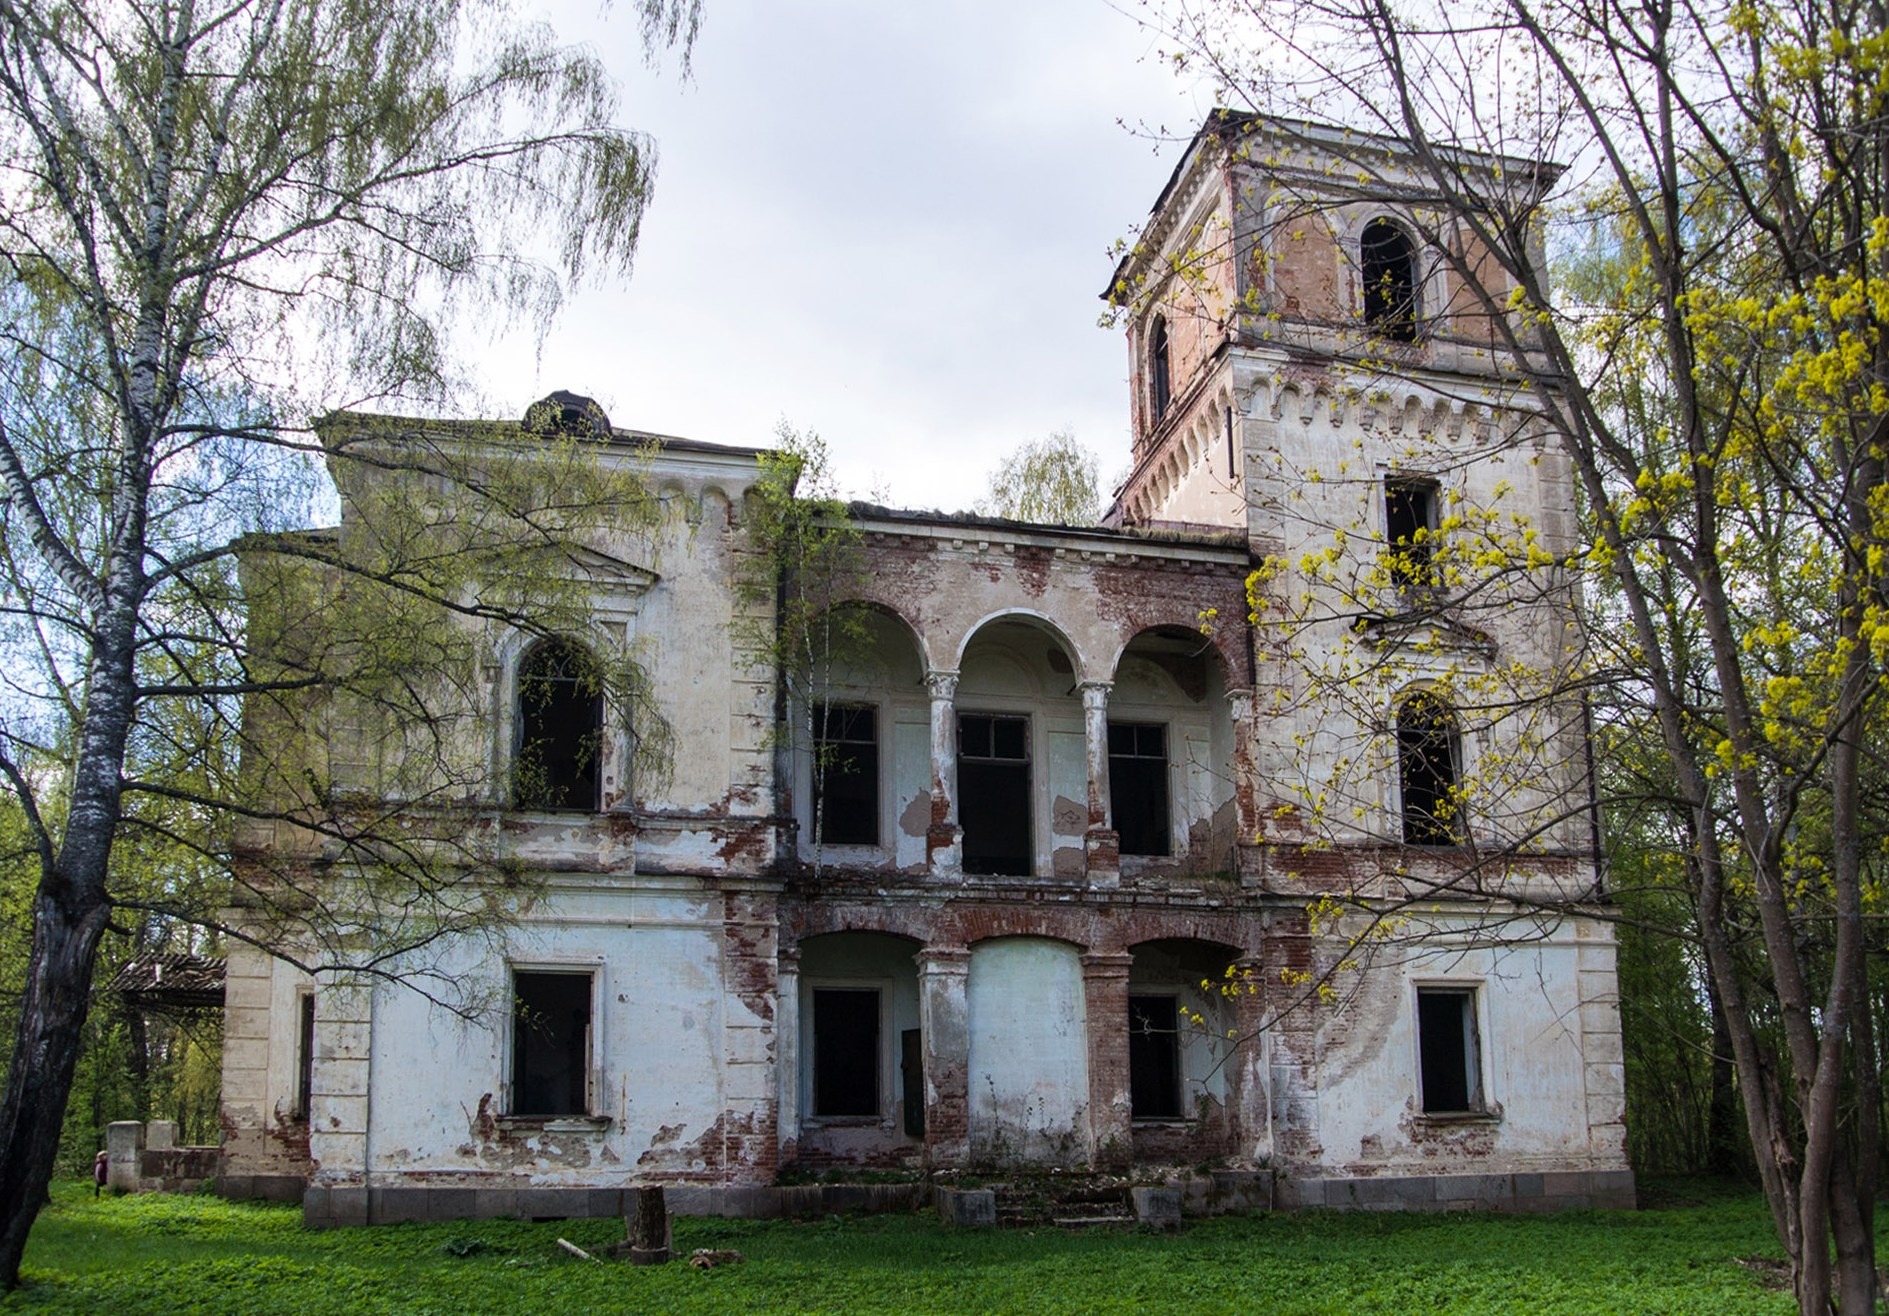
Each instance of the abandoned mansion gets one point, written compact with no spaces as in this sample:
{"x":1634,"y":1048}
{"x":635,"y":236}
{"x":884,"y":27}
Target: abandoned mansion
{"x":1243,"y":832}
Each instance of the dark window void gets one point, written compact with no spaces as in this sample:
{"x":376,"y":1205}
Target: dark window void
{"x":1389,"y":265}
{"x":1449,"y":1051}
{"x":845,"y":1051}
{"x":912,"y":1078}
{"x":846,"y":759}
{"x":1154,"y":1057}
{"x":550,"y":1043}
{"x":1138,"y":787}
{"x":1410,"y":533}
{"x":1426,"y":771}
{"x":1160,"y":378}
{"x":994,"y":794}
{"x":305,"y":1057}
{"x":560,"y":728}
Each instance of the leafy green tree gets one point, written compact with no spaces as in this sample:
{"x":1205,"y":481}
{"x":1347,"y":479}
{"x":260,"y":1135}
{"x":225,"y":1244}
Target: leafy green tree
{"x":1721,"y":408}
{"x":214,"y":221}
{"x":1051,"y":481}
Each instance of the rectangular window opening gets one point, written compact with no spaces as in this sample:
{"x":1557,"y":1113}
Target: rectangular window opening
{"x":305,"y":1056}
{"x":994,"y":794}
{"x":1410,"y":532}
{"x":1449,"y":1051}
{"x":550,"y":1043}
{"x":1138,"y":787}
{"x":845,"y":1051}
{"x":846,"y":764}
{"x":1154,"y":1057}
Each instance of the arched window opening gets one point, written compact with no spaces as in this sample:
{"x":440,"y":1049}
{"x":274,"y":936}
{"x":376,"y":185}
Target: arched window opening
{"x":1388,"y":261}
{"x":1427,"y":758}
{"x":1160,"y":378}
{"x":560,"y":728}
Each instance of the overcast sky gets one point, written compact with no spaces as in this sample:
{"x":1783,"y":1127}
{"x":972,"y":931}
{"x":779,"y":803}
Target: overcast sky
{"x":885,"y":222}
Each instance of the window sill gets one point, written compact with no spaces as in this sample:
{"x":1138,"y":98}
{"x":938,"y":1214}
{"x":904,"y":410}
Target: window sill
{"x":1459,"y":1117}
{"x":593,"y":1124}
{"x":848,"y":1121}
{"x":1165,"y":1122}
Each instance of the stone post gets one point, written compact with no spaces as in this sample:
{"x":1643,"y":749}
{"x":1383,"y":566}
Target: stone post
{"x":123,"y":1141}
{"x":1111,"y":1112}
{"x":944,"y":839}
{"x":1246,"y":820}
{"x":1101,"y":844}
{"x":1251,"y":1134}
{"x":787,"y":1051}
{"x":944,"y":1018}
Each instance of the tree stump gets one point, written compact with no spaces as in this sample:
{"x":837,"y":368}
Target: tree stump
{"x":651,"y":1230}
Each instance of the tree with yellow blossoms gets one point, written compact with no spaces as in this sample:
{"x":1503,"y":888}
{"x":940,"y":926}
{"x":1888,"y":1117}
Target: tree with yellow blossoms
{"x":1714,"y":369}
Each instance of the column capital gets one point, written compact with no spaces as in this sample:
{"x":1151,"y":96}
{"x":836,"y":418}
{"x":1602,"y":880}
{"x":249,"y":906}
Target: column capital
{"x":1106,"y":963}
{"x":944,"y":959}
{"x":1096,"y":691}
{"x":942,"y":683}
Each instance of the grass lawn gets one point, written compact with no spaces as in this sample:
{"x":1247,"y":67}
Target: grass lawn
{"x":157,"y":1254}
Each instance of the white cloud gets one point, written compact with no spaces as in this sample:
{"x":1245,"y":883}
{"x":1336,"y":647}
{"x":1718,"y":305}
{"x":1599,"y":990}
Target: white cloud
{"x":885,"y":222}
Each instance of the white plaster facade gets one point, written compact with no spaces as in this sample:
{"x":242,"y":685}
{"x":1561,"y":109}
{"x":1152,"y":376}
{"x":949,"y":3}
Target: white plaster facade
{"x":1079,"y":783}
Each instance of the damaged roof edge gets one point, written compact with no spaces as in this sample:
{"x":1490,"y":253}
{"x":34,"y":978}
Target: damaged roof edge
{"x":339,"y":422}
{"x":1176,"y":534}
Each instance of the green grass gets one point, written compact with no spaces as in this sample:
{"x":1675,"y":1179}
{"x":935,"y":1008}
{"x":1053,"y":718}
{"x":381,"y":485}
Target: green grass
{"x":198,"y":1254}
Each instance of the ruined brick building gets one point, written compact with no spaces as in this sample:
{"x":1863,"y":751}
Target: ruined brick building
{"x":1070,"y":774}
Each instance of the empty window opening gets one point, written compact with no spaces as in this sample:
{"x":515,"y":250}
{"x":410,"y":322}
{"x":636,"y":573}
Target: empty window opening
{"x":550,"y":1043}
{"x":994,"y":794}
{"x":1427,"y":753}
{"x":912,"y":1079}
{"x":1449,"y":1051}
{"x":1388,"y":262}
{"x":845,"y":1051}
{"x":846,"y":764}
{"x":1160,"y":380}
{"x":1138,"y":787}
{"x":305,"y":1056}
{"x":1410,"y":533}
{"x":1154,"y":1057}
{"x":560,"y":728}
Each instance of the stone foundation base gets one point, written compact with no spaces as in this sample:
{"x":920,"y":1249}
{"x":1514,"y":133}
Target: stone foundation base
{"x":262,"y":1187}
{"x":1567,"y":1190}
{"x":325,"y":1207}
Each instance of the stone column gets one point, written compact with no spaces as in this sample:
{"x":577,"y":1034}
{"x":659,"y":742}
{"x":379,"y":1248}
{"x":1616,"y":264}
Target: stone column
{"x":944,"y":1018}
{"x":1101,"y":844}
{"x":944,"y":839}
{"x":787,"y":1052}
{"x":1251,"y":1132}
{"x":1111,"y":1110}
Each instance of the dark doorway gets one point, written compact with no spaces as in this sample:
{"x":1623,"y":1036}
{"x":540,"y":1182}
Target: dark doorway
{"x":305,"y":1057}
{"x":1138,"y":787}
{"x":1449,"y":1050}
{"x":1154,"y":1057}
{"x":560,"y":729}
{"x":1389,"y":266}
{"x":846,"y":761}
{"x":845,"y":1051}
{"x":994,"y":794}
{"x":1427,"y":753}
{"x":1409,"y":528}
{"x":550,"y":1043}
{"x":912,"y":1079}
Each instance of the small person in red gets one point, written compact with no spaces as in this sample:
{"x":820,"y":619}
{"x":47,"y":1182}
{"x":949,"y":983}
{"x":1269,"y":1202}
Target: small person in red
{"x":101,"y":1167}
